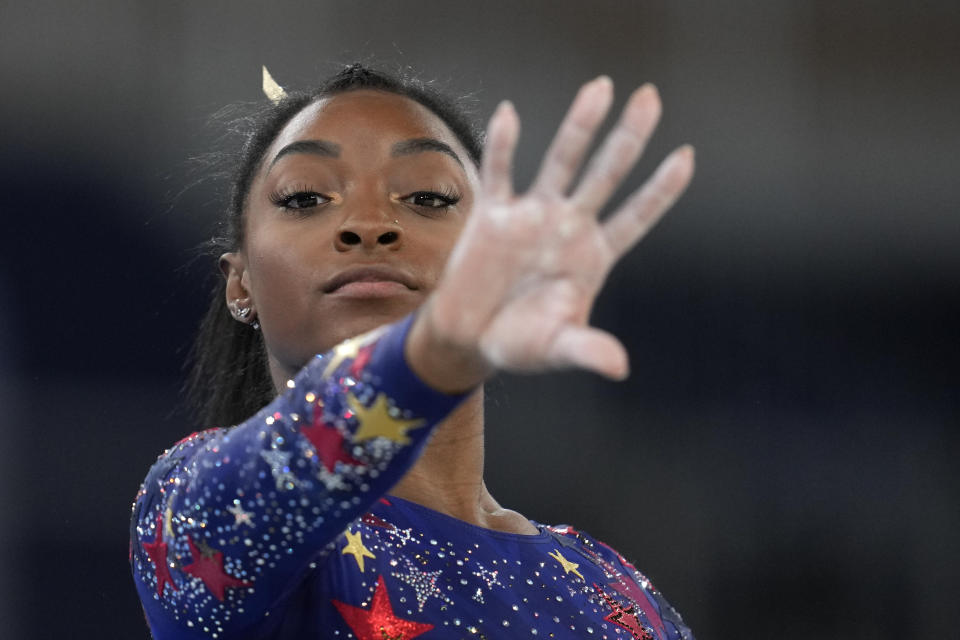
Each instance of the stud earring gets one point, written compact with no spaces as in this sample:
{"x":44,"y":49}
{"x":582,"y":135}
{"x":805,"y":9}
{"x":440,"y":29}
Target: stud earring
{"x":242,"y":314}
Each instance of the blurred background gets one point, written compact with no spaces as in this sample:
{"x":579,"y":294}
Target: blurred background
{"x":783,"y":462}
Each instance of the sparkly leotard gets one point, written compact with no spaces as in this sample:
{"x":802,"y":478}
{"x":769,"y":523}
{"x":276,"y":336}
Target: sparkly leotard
{"x":282,"y":527}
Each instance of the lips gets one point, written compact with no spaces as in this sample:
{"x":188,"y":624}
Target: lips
{"x":371,"y":274}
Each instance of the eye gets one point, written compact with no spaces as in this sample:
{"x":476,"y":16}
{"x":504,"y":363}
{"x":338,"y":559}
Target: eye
{"x":298,"y":199}
{"x":432,"y":200}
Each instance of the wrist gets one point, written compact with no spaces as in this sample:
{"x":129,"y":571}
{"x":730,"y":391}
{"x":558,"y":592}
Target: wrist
{"x":439,"y":359}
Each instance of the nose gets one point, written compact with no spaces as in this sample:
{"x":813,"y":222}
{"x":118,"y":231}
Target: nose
{"x":368,"y":230}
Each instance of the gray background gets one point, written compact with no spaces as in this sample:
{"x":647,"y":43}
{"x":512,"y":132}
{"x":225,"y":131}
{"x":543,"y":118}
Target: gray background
{"x":782,"y":462}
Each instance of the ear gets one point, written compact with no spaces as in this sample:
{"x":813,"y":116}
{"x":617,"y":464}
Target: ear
{"x":233,"y":265}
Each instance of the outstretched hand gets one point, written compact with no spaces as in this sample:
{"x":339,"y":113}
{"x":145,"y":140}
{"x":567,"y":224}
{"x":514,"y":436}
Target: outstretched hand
{"x":518,"y":289}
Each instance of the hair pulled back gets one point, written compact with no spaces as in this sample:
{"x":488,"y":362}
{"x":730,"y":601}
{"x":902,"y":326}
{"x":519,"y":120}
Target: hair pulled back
{"x":229,"y":377}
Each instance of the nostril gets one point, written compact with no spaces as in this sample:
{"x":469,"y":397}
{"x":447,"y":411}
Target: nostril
{"x":388,"y":238}
{"x":349,"y":237}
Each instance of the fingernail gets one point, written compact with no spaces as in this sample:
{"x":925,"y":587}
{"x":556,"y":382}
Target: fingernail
{"x":602,"y":80}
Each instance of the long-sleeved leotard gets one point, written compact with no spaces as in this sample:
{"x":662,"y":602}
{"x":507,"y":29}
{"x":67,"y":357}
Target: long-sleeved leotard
{"x":282,"y":527}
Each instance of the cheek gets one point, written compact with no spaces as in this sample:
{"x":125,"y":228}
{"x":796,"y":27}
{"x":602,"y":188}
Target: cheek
{"x":435,"y":249}
{"x":281,"y":278}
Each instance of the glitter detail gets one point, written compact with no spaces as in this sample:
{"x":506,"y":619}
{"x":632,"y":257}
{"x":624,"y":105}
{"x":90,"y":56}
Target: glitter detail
{"x":279,"y":462}
{"x":625,"y":618}
{"x":378,"y":622}
{"x":424,"y":583}
{"x":240,"y":516}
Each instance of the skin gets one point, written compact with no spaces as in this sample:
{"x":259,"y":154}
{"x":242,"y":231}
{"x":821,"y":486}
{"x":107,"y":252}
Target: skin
{"x":502,"y":280}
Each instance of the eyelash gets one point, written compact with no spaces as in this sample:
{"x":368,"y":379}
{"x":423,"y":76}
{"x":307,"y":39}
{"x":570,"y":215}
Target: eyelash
{"x":283,"y":197}
{"x":446,"y":195}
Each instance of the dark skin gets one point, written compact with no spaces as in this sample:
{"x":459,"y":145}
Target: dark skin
{"x":501,"y":281}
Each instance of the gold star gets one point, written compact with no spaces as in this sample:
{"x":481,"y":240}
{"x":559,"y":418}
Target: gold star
{"x":568,"y":567}
{"x":350,"y":349}
{"x":376,"y":421}
{"x":355,"y":548}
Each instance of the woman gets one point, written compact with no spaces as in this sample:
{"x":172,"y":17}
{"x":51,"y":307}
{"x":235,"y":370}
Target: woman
{"x":353,"y":504}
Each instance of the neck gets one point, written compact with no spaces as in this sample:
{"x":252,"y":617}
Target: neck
{"x":448,"y":476}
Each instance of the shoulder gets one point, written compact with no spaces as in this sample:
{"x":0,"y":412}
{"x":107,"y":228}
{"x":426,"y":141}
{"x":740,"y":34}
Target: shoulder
{"x":625,"y":580}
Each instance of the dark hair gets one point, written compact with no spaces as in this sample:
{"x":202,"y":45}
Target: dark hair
{"x":229,"y":378}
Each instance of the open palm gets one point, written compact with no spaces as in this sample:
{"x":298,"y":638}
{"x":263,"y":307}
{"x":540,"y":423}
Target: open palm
{"x":524,"y":275}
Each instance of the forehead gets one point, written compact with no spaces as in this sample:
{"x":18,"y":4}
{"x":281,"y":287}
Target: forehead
{"x":367,"y":118}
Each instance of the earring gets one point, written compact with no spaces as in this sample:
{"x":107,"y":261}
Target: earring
{"x":241,"y":314}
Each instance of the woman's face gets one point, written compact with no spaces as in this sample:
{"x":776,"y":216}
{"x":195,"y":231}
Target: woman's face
{"x":349,"y":222}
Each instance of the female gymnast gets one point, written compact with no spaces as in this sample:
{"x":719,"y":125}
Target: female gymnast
{"x":368,"y":225}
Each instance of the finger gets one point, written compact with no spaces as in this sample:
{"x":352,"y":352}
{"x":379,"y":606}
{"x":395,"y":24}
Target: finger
{"x":620,"y":150}
{"x":645,"y":207}
{"x":496,"y":169}
{"x":565,"y":154}
{"x":591,"y":349}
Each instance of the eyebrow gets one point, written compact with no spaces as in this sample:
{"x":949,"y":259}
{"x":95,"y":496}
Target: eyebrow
{"x":316,"y":147}
{"x":329,"y":149}
{"x":419,"y":145}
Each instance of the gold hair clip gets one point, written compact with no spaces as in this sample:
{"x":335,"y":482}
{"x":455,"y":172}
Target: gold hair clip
{"x":271,"y":89}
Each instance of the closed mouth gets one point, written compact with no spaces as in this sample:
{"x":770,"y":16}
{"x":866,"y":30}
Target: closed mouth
{"x":373,"y":273}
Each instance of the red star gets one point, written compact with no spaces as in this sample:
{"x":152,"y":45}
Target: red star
{"x":327,"y":441}
{"x":626,"y":586}
{"x":157,"y":550}
{"x":208,"y":566}
{"x":625,"y":618}
{"x":361,"y":361}
{"x":378,"y":622}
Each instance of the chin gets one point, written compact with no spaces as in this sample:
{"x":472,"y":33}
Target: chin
{"x":362,"y":323}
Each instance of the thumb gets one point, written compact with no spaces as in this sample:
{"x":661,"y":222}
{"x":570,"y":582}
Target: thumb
{"x":589,"y":348}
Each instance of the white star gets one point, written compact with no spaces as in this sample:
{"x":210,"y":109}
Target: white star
{"x":332,"y":481}
{"x":424,"y":583}
{"x":488,"y":576}
{"x":240,"y":516}
{"x":279,"y":462}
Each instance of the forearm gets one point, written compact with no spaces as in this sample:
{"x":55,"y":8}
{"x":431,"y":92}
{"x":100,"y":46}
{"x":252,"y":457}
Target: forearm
{"x":262,"y":498}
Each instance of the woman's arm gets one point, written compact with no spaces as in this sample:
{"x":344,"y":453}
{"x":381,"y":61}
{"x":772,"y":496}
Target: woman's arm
{"x":227,"y":520}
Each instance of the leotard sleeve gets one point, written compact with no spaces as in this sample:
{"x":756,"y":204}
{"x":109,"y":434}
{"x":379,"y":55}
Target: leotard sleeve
{"x":228,"y":520}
